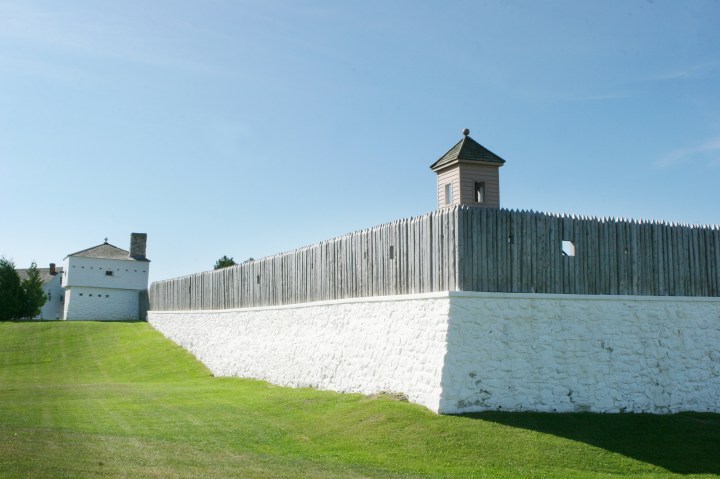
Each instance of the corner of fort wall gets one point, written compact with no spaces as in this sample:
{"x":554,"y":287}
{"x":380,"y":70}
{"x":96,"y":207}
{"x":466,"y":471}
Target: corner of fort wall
{"x":565,"y":353}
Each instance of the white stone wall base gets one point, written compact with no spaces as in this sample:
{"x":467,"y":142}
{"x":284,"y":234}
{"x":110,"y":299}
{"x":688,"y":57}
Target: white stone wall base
{"x":457,"y":352}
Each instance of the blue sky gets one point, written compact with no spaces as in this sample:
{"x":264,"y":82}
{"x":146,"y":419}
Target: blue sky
{"x":248,"y":128}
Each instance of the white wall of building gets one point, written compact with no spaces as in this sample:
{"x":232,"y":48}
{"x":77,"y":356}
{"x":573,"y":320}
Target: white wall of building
{"x":460,"y":352}
{"x":126,"y":274}
{"x":107,"y":304}
{"x":53,"y":307}
{"x":103,"y":289}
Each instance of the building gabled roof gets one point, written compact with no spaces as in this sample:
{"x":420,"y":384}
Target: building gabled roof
{"x":45,"y":275}
{"x":106,"y":251}
{"x":467,"y":149}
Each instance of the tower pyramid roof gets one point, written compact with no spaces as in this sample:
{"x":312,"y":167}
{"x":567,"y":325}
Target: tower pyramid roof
{"x":467,"y":149}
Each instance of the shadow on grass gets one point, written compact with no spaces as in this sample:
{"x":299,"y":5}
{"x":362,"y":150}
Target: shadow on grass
{"x":684,"y":443}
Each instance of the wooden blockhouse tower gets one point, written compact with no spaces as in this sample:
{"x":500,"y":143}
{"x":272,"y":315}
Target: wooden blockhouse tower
{"x":468,"y":174}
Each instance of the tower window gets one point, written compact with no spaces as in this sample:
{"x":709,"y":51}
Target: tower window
{"x":480,"y":192}
{"x":108,"y":273}
{"x":448,"y":193}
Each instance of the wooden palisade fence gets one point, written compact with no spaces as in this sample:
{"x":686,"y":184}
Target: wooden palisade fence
{"x":467,"y":249}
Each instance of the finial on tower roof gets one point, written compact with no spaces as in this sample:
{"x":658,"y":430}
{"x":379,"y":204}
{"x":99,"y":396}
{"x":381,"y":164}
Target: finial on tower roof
{"x":105,"y":240}
{"x":466,"y":132}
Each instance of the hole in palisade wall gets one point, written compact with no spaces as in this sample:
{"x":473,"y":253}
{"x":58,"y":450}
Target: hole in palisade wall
{"x":568,"y":248}
{"x":258,"y":279}
{"x":392,"y":252}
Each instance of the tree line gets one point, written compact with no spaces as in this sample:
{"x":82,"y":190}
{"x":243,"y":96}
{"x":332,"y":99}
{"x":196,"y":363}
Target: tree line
{"x":226,"y":262}
{"x":20,"y":299}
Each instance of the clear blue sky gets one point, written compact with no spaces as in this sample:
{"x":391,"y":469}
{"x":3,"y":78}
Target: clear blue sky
{"x":248,"y":128}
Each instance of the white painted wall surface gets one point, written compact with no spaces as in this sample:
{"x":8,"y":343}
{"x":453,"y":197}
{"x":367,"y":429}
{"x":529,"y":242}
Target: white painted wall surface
{"x":363,"y":346}
{"x":126,"y":274}
{"x":53,"y":307}
{"x":460,"y":352}
{"x":101,"y":304}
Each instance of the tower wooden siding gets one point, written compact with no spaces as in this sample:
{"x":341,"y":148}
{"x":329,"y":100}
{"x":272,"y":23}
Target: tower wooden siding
{"x":463,"y":177}
{"x":450,"y":175}
{"x":469,"y":174}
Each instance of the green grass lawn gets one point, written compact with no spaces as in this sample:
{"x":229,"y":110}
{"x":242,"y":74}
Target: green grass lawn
{"x":106,"y":400}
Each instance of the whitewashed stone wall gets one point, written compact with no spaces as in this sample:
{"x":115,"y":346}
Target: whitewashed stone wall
{"x":460,"y":352}
{"x":364,"y":346}
{"x":582,"y":353}
{"x":107,"y":304}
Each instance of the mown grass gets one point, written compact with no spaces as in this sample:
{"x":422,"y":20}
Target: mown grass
{"x":105,"y":400}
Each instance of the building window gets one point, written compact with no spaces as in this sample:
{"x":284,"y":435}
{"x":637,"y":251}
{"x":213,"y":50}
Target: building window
{"x":448,"y":193}
{"x":108,"y":273}
{"x":480,"y":192}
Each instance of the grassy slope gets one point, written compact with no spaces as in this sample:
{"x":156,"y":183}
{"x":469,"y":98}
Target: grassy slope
{"x":118,"y":400}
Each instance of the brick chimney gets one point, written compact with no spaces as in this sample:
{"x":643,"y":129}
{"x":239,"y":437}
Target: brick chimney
{"x":138,"y":243}
{"x":52,"y":269}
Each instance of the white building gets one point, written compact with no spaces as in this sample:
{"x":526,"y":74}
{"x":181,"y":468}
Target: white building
{"x":52,"y":285}
{"x":106,"y":282}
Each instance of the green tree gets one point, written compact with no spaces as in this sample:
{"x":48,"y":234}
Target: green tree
{"x":11,"y":293}
{"x":33,"y":293}
{"x":224,"y":262}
